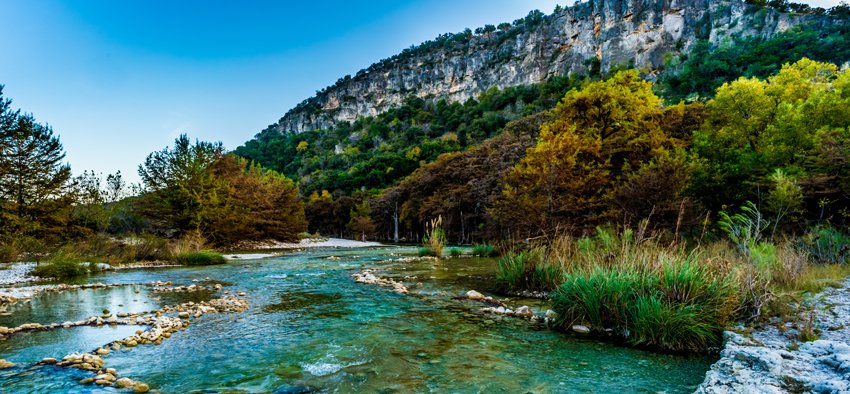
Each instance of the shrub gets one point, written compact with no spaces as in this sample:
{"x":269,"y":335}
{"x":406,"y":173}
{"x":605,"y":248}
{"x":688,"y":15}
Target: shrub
{"x":484,"y":250}
{"x":455,"y":252}
{"x":827,"y":245}
{"x":64,"y":264}
{"x":200,"y":258}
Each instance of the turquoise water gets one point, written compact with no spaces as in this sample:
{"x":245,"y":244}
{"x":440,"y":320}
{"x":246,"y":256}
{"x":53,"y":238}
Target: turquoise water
{"x":311,"y":328}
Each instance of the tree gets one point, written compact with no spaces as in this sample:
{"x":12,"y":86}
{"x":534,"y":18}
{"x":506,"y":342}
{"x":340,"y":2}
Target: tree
{"x":599,"y":136}
{"x":34,"y":181}
{"x":180,"y":184}
{"x":360,"y":224}
{"x":787,"y":122}
{"x":254,"y":204}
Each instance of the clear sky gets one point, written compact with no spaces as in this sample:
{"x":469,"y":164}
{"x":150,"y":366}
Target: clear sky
{"x":119,"y":79}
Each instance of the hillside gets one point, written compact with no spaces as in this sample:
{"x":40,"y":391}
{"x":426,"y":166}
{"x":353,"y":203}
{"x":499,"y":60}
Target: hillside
{"x":372,"y":130}
{"x":591,"y":37}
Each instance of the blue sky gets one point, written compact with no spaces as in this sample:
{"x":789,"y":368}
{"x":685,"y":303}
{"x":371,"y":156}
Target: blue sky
{"x":119,"y":79}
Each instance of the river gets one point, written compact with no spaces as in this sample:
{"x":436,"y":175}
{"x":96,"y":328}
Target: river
{"x":312,"y":328}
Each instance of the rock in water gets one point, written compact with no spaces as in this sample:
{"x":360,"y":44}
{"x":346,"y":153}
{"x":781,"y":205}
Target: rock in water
{"x":581,"y":329}
{"x":474,"y":295}
{"x":5,"y":364}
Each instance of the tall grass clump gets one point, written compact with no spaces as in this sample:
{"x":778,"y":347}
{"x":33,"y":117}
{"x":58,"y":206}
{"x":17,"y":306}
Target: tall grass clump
{"x":455,"y":252}
{"x":64,"y":264}
{"x":484,"y":250}
{"x":203,"y":257}
{"x":435,"y":237}
{"x":674,"y":305}
{"x":528,"y":270}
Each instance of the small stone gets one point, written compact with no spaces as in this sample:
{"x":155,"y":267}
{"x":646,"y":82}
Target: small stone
{"x":124,"y":383}
{"x":580,"y":329}
{"x":474,"y":295}
{"x":48,"y":360}
{"x":141,"y":388}
{"x":102,"y":351}
{"x":106,"y":311}
{"x":5,"y":364}
{"x":183,"y":315}
{"x":103,"y":382}
{"x":87,"y":381}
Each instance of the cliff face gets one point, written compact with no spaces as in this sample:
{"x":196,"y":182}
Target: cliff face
{"x":593,"y":34}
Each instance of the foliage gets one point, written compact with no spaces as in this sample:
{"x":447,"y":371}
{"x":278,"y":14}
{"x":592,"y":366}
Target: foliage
{"x":528,"y":270}
{"x":484,"y":250}
{"x":435,"y":237}
{"x":360,"y":225}
{"x":376,"y":152}
{"x":203,"y":257}
{"x":458,"y":186}
{"x":600,"y":135}
{"x":707,"y":67}
{"x":795,"y":121}
{"x":827,"y":245}
{"x":62,"y":269}
{"x":35,"y":182}
{"x":455,"y":252}
{"x":745,"y":228}
{"x":674,"y":304}
{"x":196,"y":187}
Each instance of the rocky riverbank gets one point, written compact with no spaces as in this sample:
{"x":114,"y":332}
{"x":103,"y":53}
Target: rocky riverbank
{"x":162,"y":323}
{"x":774,"y":359}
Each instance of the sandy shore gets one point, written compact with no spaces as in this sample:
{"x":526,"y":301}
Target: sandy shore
{"x":316,"y":243}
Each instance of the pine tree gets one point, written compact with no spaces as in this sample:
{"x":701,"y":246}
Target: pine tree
{"x":34,"y":180}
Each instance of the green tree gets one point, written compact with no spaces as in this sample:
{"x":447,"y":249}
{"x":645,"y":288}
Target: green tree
{"x":35,"y":181}
{"x":180,"y":185}
{"x":754,"y":127}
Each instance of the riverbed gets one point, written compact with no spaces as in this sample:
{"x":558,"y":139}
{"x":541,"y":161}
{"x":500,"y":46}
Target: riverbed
{"x":312,"y":328}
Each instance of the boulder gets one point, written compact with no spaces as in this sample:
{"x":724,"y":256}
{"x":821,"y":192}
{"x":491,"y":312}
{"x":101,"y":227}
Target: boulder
{"x":5,"y":364}
{"x":474,"y":295}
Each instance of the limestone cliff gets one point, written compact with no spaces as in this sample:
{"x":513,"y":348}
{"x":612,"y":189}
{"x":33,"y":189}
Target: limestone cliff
{"x":592,"y":35}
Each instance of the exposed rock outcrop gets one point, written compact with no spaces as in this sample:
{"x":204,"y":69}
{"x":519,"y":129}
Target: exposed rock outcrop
{"x":594,"y":34}
{"x":770,"y":360}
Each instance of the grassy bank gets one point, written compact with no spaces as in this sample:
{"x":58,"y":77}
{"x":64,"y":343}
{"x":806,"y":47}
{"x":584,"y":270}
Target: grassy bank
{"x":672,"y":296}
{"x":89,"y":255}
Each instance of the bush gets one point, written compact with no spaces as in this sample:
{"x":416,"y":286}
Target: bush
{"x":61,"y":269}
{"x":200,"y":258}
{"x":484,"y":250}
{"x":827,"y":245}
{"x":455,"y":252}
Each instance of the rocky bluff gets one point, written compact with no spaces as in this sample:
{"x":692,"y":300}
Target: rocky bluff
{"x":590,"y":36}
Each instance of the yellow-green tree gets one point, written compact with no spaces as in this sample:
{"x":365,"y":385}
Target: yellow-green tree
{"x":601,"y":134}
{"x":754,"y":127}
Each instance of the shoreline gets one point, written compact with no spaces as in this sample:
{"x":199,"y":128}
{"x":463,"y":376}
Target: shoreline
{"x":310,"y":243}
{"x":774,"y":358}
